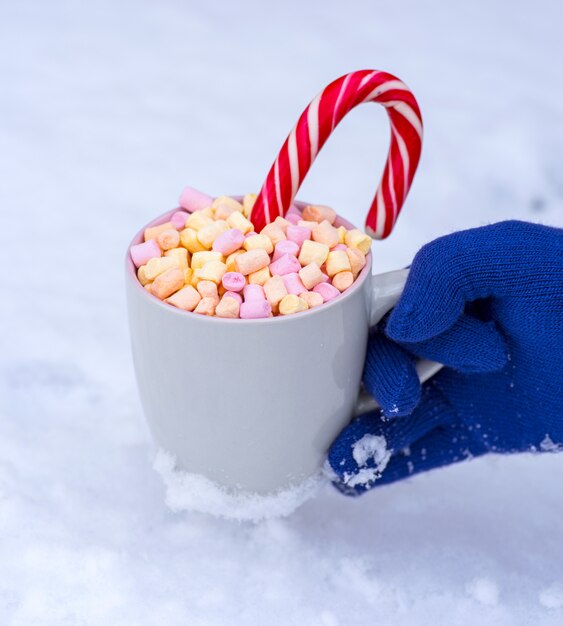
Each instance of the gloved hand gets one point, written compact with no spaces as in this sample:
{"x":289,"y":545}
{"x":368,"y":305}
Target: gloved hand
{"x":488,"y":304}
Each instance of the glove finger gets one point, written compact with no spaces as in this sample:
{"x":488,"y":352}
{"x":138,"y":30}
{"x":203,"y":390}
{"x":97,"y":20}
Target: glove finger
{"x":451,"y":271}
{"x":390,"y":376}
{"x":469,"y":346}
{"x":360,"y":454}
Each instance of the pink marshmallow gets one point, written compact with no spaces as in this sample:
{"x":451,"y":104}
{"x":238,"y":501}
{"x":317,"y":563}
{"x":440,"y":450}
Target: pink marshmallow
{"x":294,"y":219}
{"x":143,"y":252}
{"x":233,"y":281}
{"x":298,"y":234}
{"x":253,"y":292}
{"x":232,"y":294}
{"x":340,"y":246}
{"x":228,"y":242}
{"x":328,"y":292}
{"x":293,"y":284}
{"x":285,"y":247}
{"x":255,"y":309}
{"x":293,"y":210}
{"x":286,"y":264}
{"x":178,"y":220}
{"x":250,"y":234}
{"x":194,"y":200}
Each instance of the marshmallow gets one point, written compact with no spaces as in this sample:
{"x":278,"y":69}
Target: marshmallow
{"x":168,"y":239}
{"x":214,"y":271}
{"x":342,"y":234}
{"x":275,"y":290}
{"x":237,"y":220}
{"x":228,"y":308}
{"x":188,"y":239}
{"x":206,"y":306}
{"x":293,"y":219}
{"x":142,"y":276}
{"x":282,"y":223}
{"x":312,"y":299}
{"x":311,"y":275}
{"x":286,"y":264}
{"x":208,"y":234}
{"x":318,"y":213}
{"x":357,"y":260}
{"x":293,"y":284}
{"x":142,"y":253}
{"x":357,"y":239}
{"x":342,"y":280}
{"x":341,"y":246}
{"x":259,"y":277}
{"x":285,"y":247}
{"x":167,"y":283}
{"x":248,"y":203}
{"x":194,"y":200}
{"x":327,"y":291}
{"x":178,"y":220}
{"x":229,"y":241}
{"x":252,"y":261}
{"x":154,"y":231}
{"x":292,"y":304}
{"x":199,"y":259}
{"x":226,"y":202}
{"x":255,"y":309}
{"x":253,"y":292}
{"x":313,"y":252}
{"x":233,"y":281}
{"x":232,"y":294}
{"x":208,"y":289}
{"x":230,"y":260}
{"x":337,"y":261}
{"x":180,"y":255}
{"x":198,"y":220}
{"x":274,"y":232}
{"x":298,"y":234}
{"x":259,"y":241}
{"x":158,"y":266}
{"x":187,"y":298}
{"x":326,"y":233}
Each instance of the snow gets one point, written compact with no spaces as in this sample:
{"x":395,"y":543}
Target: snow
{"x":370,"y":448}
{"x":108,"y":110}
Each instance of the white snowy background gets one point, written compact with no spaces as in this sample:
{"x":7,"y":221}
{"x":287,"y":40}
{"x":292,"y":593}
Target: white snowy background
{"x":107,"y":109}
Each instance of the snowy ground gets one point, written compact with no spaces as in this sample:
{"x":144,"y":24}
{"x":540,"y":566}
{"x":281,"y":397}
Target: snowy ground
{"x":106,"y":110}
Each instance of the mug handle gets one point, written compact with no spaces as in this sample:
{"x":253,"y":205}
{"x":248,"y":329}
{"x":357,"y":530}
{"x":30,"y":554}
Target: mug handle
{"x":386,"y":290}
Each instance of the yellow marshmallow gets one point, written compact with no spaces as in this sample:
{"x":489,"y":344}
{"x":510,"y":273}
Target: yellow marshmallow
{"x":148,"y":287}
{"x":274,"y":232}
{"x":258,"y":241}
{"x":259,"y":277}
{"x":154,"y":231}
{"x":199,"y":259}
{"x":167,"y":283}
{"x":230,"y":261}
{"x":188,"y":238}
{"x":337,"y":261}
{"x":342,"y":234}
{"x":198,"y":220}
{"x":226,"y":202}
{"x":237,"y":220}
{"x":312,"y":298}
{"x":157,"y":266}
{"x":292,"y":304}
{"x":342,"y":280}
{"x":194,"y":280}
{"x":188,"y":273}
{"x":275,"y":291}
{"x":247,"y":204}
{"x":142,"y":275}
{"x":355,"y":238}
{"x":311,"y":275}
{"x":313,"y":252}
{"x":357,"y":260}
{"x":212,"y":270}
{"x":206,"y":306}
{"x":252,"y":261}
{"x":326,"y":233}
{"x":181,"y":256}
{"x":207,"y":235}
{"x":312,"y":226}
{"x":187,"y":298}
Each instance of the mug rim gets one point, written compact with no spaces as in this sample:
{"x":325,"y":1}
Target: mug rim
{"x":131,"y":274}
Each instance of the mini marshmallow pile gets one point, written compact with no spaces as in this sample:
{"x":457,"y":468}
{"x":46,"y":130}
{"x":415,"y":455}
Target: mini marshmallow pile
{"x":208,"y":259}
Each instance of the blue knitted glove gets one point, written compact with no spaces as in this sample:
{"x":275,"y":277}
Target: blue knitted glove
{"x":488,"y":304}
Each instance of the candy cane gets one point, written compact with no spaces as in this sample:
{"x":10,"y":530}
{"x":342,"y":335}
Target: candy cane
{"x":316,"y":124}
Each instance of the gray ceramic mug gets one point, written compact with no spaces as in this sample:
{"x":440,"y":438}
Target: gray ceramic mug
{"x":253,"y":405}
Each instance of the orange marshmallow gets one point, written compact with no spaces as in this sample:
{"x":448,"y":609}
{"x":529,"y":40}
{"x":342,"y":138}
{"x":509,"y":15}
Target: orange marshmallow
{"x":187,"y":298}
{"x":259,"y":277}
{"x":313,"y":252}
{"x":337,"y":261}
{"x":274,"y":232}
{"x":342,"y":280}
{"x":357,"y":260}
{"x":282,"y":223}
{"x":292,"y":304}
{"x":312,"y":298}
{"x":168,"y":239}
{"x":167,"y":283}
{"x":208,"y":289}
{"x":188,"y":239}
{"x":228,"y":307}
{"x":311,"y":275}
{"x":275,"y":290}
{"x":258,"y":241}
{"x":318,"y":213}
{"x":326,"y":233}
{"x":206,"y":306}
{"x":154,"y":231}
{"x":252,"y":261}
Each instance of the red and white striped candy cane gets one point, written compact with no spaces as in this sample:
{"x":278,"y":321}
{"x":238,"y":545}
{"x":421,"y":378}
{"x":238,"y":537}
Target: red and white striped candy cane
{"x":315,"y":126}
